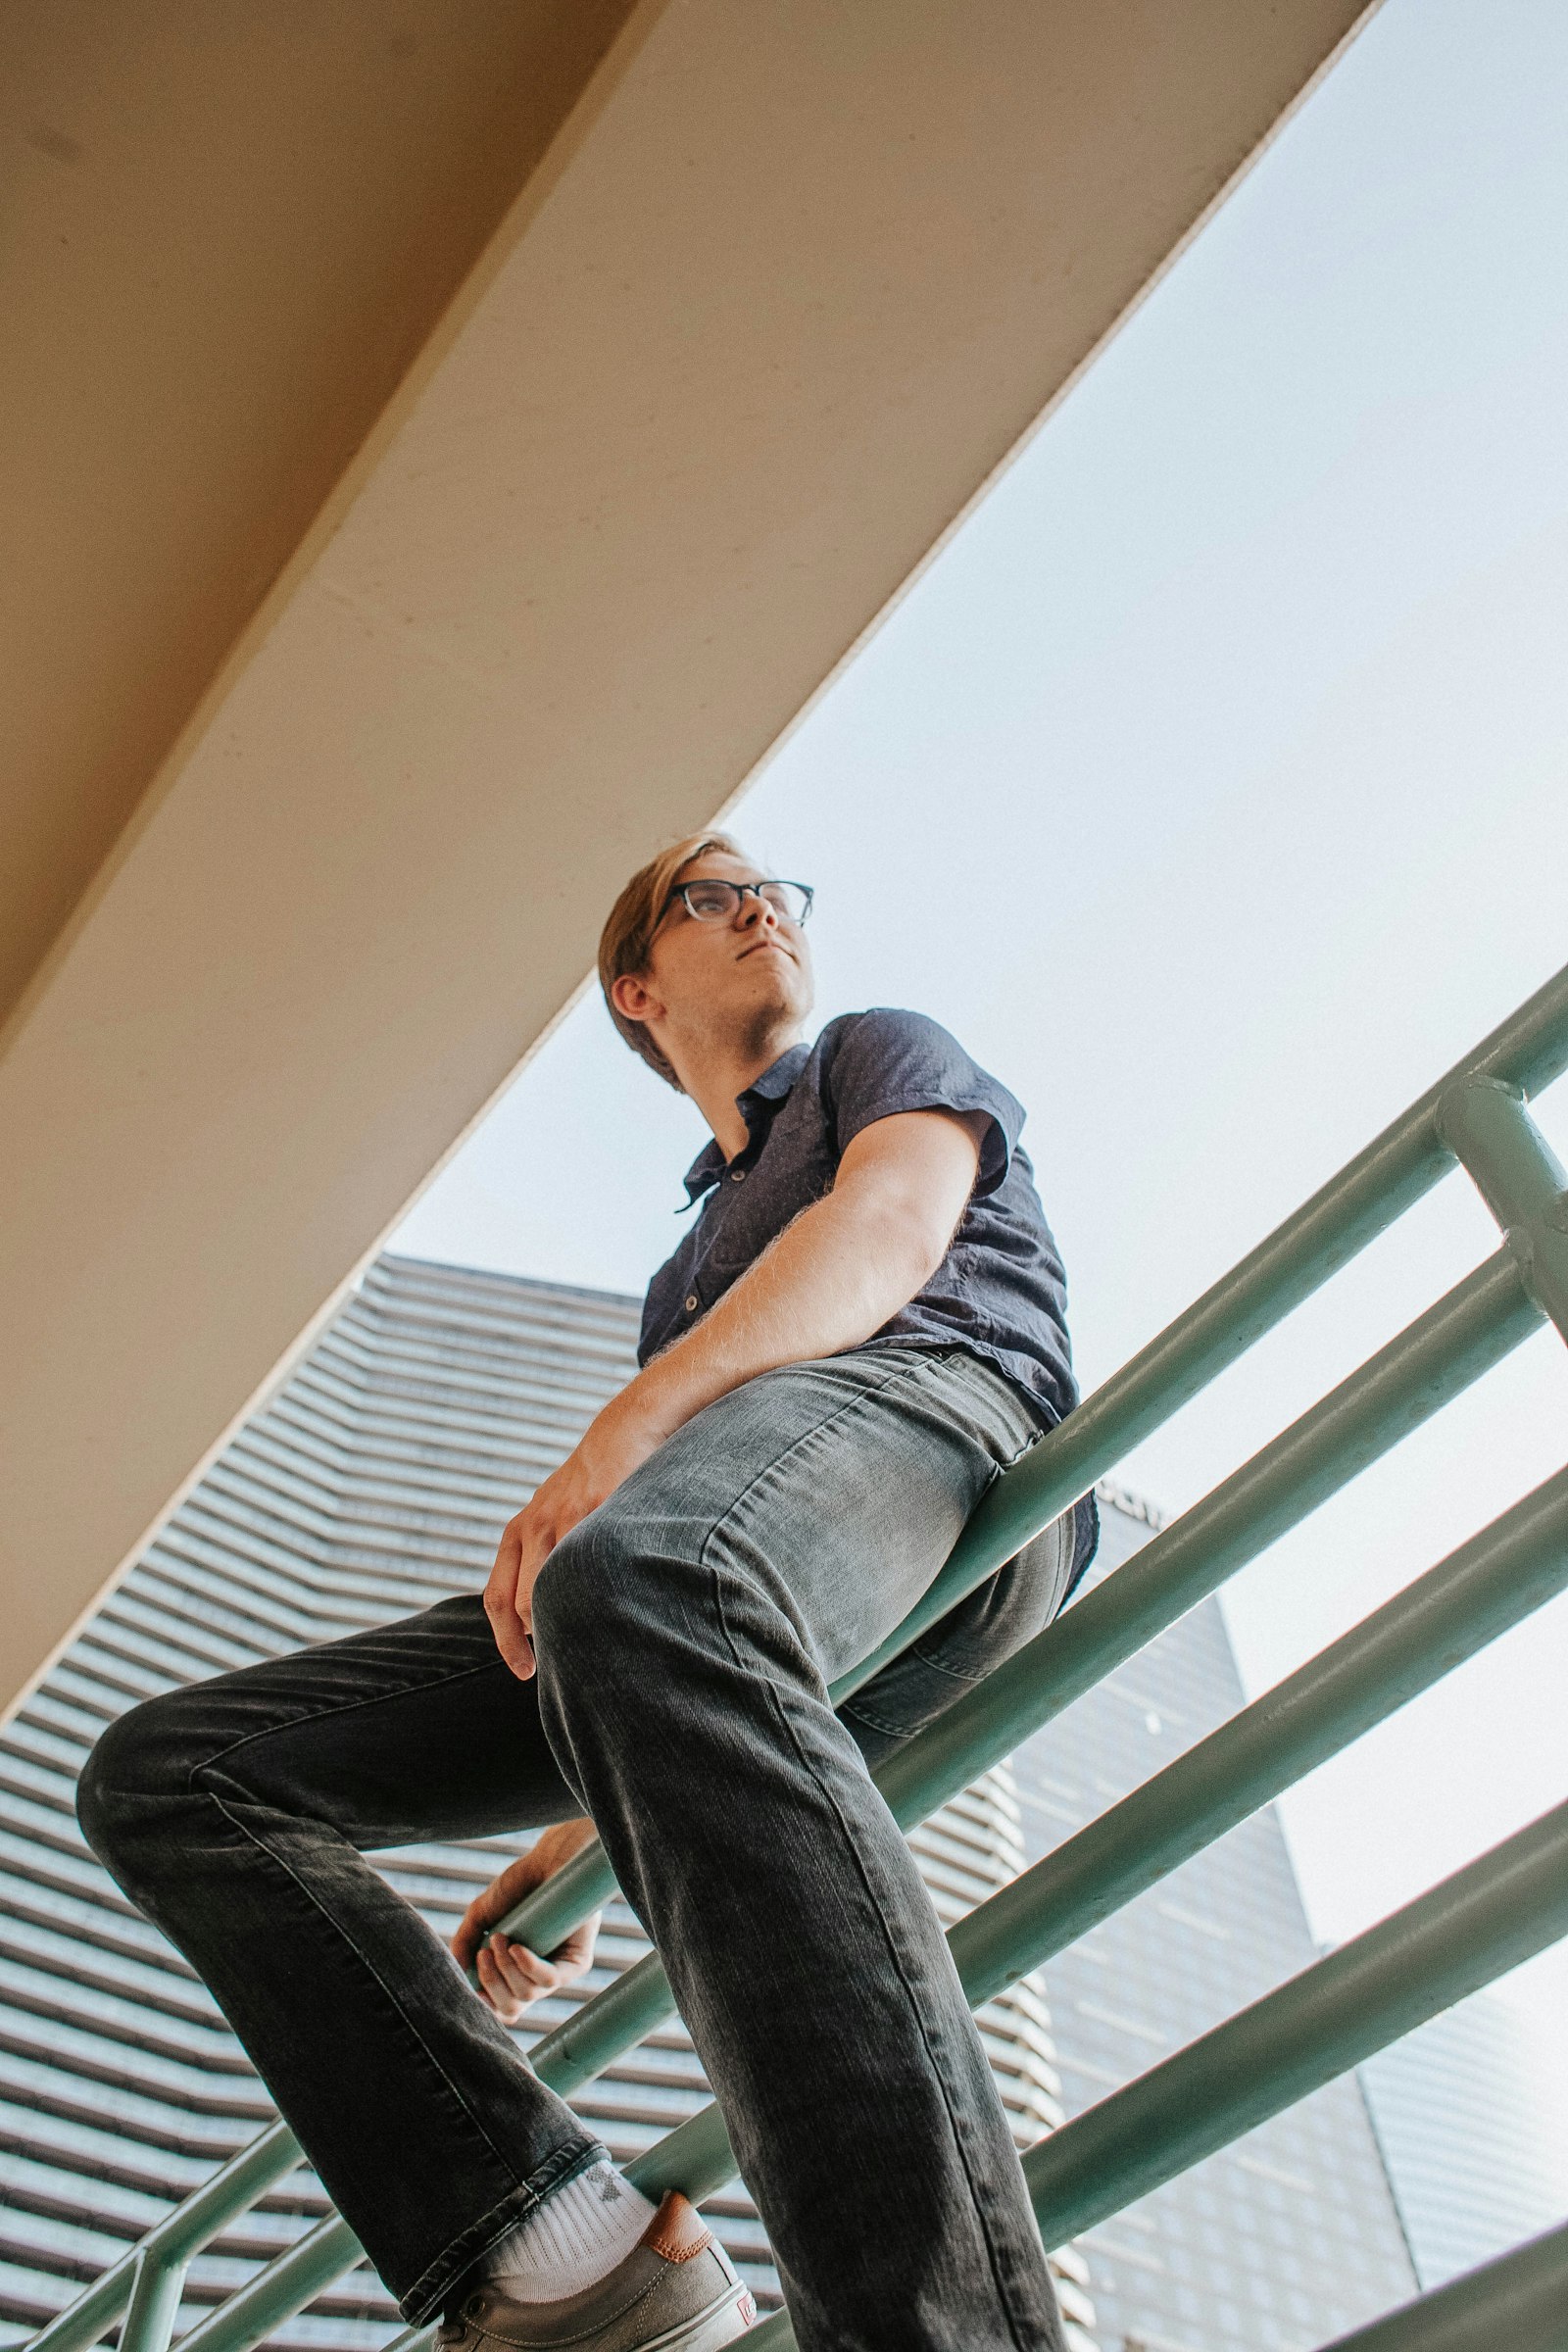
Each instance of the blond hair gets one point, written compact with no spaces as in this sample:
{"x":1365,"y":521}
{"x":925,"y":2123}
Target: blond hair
{"x":627,"y":937}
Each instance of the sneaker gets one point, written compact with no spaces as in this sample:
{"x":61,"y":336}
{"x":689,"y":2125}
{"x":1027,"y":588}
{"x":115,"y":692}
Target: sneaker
{"x":675,"y":2291}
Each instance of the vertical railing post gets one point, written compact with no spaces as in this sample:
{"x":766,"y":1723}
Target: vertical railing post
{"x":1486,"y":1126}
{"x":155,"y":2291}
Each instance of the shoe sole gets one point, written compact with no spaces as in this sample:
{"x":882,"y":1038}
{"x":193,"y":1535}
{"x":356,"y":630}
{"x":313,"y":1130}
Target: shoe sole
{"x":709,"y":2331}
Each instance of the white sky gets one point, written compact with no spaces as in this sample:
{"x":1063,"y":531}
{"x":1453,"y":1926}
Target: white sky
{"x":1212,"y":785}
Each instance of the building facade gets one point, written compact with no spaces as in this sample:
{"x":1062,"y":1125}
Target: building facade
{"x":1289,"y":2237}
{"x":1469,"y":2148}
{"x":374,"y":1482}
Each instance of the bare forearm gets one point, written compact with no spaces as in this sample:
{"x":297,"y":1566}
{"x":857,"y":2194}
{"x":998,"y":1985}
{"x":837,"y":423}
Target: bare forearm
{"x":833,"y":1278}
{"x":830,"y":1280}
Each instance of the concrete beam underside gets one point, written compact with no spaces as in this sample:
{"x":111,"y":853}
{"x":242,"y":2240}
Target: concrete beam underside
{"x":784,"y":292}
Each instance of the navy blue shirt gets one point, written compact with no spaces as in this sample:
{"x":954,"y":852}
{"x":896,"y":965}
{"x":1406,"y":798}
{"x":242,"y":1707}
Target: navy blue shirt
{"x":999,"y":1292}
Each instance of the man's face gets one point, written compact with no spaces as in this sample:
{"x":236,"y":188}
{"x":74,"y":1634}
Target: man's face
{"x":749,"y":973}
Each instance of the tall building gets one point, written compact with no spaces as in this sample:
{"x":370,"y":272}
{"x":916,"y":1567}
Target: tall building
{"x":1474,"y":2161}
{"x":1289,"y":2237}
{"x":374,"y":1483}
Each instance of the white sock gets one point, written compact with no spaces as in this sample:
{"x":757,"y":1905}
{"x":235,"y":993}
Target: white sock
{"x":575,"y":2236}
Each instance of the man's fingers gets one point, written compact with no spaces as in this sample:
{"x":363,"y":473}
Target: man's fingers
{"x":501,"y":1602}
{"x":523,"y":1969}
{"x":512,"y":1976}
{"x":504,"y":1986}
{"x":512,"y":1642}
{"x":471,"y":1931}
{"x":502,"y":1895}
{"x":494,"y":1989}
{"x":513,"y":1885}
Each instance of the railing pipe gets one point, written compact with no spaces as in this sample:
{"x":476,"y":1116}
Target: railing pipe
{"x":414,"y":2339}
{"x":696,"y":2152}
{"x":220,"y":2200}
{"x":546,"y":1918}
{"x":1485,"y":1124}
{"x":154,"y":2305}
{"x":1423,"y":1369}
{"x":277,"y":2292}
{"x":1491,"y":1582}
{"x":1486,"y":1919}
{"x":1526,"y":1050}
{"x":1498,"y":1911}
{"x":1420,"y":1370}
{"x":1518,"y":2303}
{"x":615,"y":2020}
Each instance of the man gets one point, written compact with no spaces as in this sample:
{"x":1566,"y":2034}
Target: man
{"x":865,"y":1327}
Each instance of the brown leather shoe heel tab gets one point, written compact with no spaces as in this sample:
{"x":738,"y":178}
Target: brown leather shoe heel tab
{"x":678,"y":2230}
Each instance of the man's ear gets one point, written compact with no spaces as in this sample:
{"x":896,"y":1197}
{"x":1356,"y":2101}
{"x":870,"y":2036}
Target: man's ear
{"x":634,"y":999}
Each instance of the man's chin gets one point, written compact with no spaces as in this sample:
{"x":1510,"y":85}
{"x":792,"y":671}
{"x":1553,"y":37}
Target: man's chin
{"x":792,"y":996}
{"x":782,"y":1006}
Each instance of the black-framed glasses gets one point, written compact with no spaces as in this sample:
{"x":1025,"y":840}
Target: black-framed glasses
{"x":717,"y":901}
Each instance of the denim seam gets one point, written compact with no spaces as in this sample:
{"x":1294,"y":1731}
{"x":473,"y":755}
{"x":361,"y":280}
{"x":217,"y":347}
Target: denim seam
{"x":938,"y":2070}
{"x":809,"y":1769}
{"x":957,"y":1674}
{"x":324,"y":1713}
{"x":852,"y":1711}
{"x":366,"y":1962}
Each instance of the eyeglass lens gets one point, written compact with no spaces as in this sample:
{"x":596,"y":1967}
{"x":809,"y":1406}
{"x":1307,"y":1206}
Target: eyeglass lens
{"x":716,"y":902}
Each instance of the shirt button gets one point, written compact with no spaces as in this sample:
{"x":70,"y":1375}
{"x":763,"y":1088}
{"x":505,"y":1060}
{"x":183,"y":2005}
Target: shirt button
{"x":737,"y":1175}
{"x":691,"y":1305}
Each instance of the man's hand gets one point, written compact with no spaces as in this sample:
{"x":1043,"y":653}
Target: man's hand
{"x":609,"y":1449}
{"x":509,"y":1975}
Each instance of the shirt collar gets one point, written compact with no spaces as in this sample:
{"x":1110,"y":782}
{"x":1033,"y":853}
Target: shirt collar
{"x":770,"y":1088}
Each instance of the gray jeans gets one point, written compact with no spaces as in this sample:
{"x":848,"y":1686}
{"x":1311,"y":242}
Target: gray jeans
{"x":686,"y":1632}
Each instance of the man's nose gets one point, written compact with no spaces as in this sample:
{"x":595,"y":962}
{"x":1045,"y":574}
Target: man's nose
{"x":752,"y":909}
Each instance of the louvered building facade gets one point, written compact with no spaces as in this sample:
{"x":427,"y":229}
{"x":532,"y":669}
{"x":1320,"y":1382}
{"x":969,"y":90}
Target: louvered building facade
{"x":374,"y":1483}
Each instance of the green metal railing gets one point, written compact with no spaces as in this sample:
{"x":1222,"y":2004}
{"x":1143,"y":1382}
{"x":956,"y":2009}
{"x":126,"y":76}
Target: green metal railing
{"x":1487,"y":1917}
{"x":1518,"y":2303}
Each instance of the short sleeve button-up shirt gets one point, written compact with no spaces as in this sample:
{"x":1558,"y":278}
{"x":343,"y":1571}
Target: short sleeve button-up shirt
{"x":999,"y":1290}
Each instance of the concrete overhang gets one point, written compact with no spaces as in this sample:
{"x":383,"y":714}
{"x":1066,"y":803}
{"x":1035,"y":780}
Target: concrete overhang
{"x":446,"y":448}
